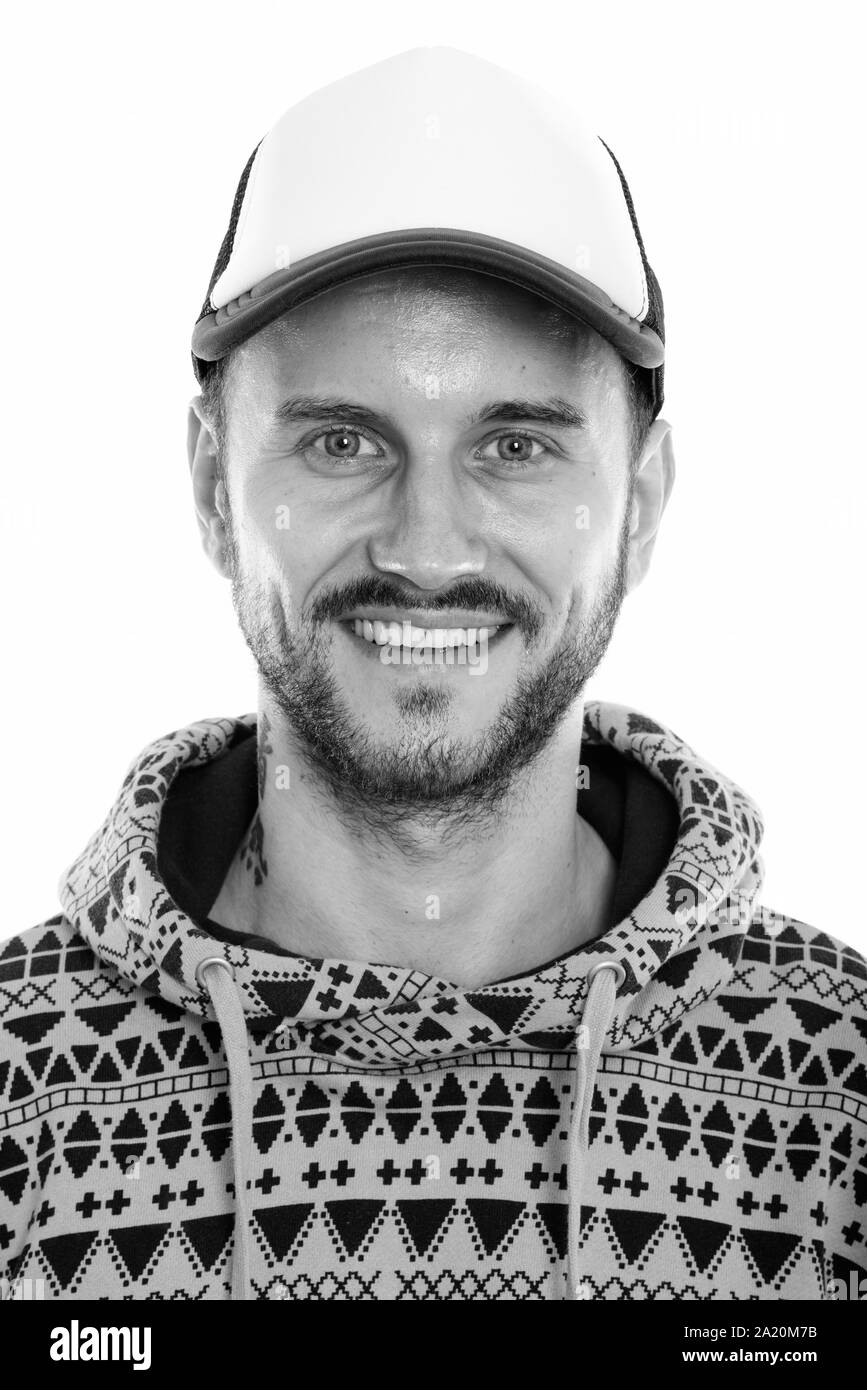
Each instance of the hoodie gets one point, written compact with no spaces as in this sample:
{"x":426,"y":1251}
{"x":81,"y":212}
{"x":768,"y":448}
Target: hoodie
{"x":675,"y":1110}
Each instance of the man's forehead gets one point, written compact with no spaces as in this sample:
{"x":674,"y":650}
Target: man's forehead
{"x":421,"y":298}
{"x":413,"y":284}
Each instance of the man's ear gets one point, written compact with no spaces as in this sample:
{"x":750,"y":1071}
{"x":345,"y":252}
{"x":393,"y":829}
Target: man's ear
{"x":653,"y":483}
{"x":208,"y":491}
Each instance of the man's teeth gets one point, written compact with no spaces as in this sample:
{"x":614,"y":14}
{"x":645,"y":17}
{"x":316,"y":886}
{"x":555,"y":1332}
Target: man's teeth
{"x":438,"y":638}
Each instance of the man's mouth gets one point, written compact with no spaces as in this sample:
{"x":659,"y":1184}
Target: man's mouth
{"x":406,"y":634}
{"x":436,"y":631}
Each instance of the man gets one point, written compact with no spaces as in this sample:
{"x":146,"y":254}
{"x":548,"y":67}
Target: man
{"x":346,"y":1000}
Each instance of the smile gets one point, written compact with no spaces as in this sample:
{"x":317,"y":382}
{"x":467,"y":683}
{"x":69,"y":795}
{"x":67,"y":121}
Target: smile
{"x":393,"y":634}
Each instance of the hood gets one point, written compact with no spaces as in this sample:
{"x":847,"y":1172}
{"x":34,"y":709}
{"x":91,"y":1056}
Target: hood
{"x":685,"y":836}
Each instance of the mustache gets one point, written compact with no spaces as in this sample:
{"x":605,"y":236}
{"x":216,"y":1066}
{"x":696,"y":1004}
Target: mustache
{"x":469,"y":593}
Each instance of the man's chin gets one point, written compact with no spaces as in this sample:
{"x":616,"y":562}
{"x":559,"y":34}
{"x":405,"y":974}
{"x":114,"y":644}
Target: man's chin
{"x":419,"y":758}
{"x":438,"y":777}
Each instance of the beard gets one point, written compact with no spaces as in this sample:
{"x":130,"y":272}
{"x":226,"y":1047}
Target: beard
{"x":424,"y":772}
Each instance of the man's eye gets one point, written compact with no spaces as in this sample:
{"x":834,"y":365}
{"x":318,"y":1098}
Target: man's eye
{"x":513,"y":449}
{"x":344,"y":444}
{"x":516,"y":449}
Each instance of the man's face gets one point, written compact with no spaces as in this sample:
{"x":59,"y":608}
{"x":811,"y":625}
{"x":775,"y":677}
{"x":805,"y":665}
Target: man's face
{"x":404,"y":507}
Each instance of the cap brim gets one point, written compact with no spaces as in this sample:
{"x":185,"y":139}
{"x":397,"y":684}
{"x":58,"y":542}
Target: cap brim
{"x":217,"y":332}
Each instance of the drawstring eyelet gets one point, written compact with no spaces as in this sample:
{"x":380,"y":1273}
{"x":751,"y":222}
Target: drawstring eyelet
{"x":618,"y":968}
{"x":212,"y":960}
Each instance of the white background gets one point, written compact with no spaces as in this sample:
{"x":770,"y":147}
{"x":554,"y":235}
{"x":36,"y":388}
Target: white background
{"x":741,"y":131}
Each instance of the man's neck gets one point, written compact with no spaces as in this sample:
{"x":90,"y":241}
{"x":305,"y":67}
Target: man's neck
{"x":482,"y":901}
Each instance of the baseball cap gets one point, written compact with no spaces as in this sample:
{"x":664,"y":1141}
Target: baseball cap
{"x":434,"y":157}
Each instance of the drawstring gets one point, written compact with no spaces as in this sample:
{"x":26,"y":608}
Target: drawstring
{"x":604,"y":980}
{"x":216,"y":976}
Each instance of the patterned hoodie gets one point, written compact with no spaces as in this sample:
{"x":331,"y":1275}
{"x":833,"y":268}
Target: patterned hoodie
{"x":674,"y":1111}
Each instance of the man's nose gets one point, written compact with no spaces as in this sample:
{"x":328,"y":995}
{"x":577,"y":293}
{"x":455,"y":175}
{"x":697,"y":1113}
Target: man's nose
{"x":431,"y":531}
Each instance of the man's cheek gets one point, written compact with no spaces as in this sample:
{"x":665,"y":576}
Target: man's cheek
{"x":267,"y":546}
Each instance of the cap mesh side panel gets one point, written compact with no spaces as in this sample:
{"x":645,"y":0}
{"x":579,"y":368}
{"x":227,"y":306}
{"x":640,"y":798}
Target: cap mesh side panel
{"x":229,"y":239}
{"x":655,"y":316}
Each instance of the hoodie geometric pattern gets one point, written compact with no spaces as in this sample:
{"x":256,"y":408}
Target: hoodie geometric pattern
{"x":411,"y":1139}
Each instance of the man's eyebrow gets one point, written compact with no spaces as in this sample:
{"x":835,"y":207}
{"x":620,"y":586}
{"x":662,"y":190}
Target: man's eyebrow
{"x":298,"y":408}
{"x":552,"y":411}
